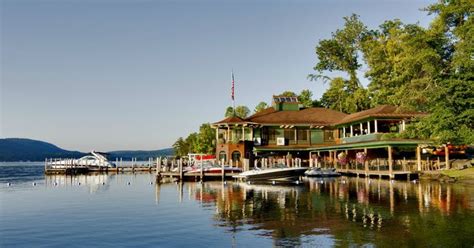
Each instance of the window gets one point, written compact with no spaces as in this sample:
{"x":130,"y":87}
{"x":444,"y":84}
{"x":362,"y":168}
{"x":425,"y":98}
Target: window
{"x":222,"y":156}
{"x":328,"y":135}
{"x":236,"y":156}
{"x":302,"y":134}
{"x":289,"y":134}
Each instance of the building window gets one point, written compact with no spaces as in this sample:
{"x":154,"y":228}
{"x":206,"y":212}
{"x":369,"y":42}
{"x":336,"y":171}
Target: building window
{"x":236,"y":156}
{"x":302,"y":134}
{"x":289,"y":134}
{"x":222,"y":156}
{"x":328,"y":135}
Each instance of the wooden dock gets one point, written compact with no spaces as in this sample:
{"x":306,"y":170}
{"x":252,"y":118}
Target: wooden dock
{"x":380,"y":173}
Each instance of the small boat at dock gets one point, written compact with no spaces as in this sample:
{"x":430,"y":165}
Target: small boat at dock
{"x":93,"y":160}
{"x":319,"y":172}
{"x":277,"y":173}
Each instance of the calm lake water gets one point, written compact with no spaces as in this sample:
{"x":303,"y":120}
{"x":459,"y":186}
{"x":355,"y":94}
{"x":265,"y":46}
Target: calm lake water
{"x":107,"y":211}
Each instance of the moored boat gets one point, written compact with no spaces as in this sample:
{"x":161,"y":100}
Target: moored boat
{"x":277,"y":173}
{"x":319,"y":172}
{"x":93,"y":160}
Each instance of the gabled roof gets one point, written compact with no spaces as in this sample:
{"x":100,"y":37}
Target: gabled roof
{"x":310,"y":116}
{"x":231,"y":120}
{"x":380,"y":111}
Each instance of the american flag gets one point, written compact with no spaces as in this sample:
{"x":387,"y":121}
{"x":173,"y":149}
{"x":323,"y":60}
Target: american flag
{"x":232,"y":85}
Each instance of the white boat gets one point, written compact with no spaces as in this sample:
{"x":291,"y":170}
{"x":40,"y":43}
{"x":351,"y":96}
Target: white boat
{"x":93,"y":160}
{"x":278,"y":173}
{"x":319,"y":172}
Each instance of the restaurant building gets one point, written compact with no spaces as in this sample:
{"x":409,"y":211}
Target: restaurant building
{"x":289,"y":130}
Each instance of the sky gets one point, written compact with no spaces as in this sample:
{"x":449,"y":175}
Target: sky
{"x":138,"y":74}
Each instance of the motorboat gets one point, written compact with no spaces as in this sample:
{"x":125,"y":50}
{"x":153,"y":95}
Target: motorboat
{"x":211,"y":168}
{"x":319,"y":172}
{"x":277,"y":173}
{"x":92,"y":160}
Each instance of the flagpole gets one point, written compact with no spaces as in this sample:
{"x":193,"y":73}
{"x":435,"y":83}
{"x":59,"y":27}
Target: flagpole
{"x":233,"y":93}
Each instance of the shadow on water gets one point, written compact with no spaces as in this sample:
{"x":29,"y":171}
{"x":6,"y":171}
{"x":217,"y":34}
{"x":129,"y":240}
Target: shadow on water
{"x":345,"y":211}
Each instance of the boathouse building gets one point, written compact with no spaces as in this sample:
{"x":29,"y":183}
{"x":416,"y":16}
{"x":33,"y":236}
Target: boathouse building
{"x":316,"y":136}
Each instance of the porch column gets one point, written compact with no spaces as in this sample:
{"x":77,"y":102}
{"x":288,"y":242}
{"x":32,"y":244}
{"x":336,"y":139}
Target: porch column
{"x":335,"y":158}
{"x":343,"y":132}
{"x":368,"y":127}
{"x":403,"y":125}
{"x":228,"y":134}
{"x":361,"y":129}
{"x":243,"y":132}
{"x":352,"y":131}
{"x":390,"y":162}
{"x":251,"y":133}
{"x":446,"y":151}
{"x":366,"y":163}
{"x":217,"y":135}
{"x":376,"y":126}
{"x":418,"y":158}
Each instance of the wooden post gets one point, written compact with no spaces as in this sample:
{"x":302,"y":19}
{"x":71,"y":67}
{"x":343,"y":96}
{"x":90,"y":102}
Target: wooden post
{"x":368,"y":127}
{"x":366,"y":163}
{"x":390,"y":162}
{"x":418,"y":158}
{"x":223,"y":172}
{"x":180,"y":164}
{"x":202,"y":171}
{"x":438,"y":164}
{"x":446,"y":151}
{"x":352,"y":131}
{"x":376,"y":126}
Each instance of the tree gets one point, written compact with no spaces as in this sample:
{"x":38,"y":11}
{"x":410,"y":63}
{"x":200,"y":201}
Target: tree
{"x":229,"y":112}
{"x":242,"y":111}
{"x":288,"y":94}
{"x":180,"y":147}
{"x":206,"y":139}
{"x":341,"y":53}
{"x":192,"y":140}
{"x":260,"y":106}
{"x":305,"y":98}
{"x":404,"y":62}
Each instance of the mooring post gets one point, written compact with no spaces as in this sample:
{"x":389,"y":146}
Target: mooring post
{"x":180,"y":164}
{"x":223,"y":172}
{"x":202,"y":171}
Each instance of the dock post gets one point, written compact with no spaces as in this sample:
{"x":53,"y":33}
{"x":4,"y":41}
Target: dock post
{"x":202,"y":171}
{"x":418,"y":158}
{"x":223,"y":172}
{"x":180,"y":164}
{"x":446,"y":152}
{"x":366,"y":163}
{"x":390,"y":162}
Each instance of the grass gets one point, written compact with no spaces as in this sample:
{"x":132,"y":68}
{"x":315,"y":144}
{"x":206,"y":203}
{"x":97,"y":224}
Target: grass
{"x":460,"y":174}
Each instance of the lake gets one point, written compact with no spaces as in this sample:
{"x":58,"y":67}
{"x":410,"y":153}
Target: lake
{"x":130,"y":210}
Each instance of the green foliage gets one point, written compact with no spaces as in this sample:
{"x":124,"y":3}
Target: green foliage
{"x":229,"y":111}
{"x":240,"y":111}
{"x":260,"y":106}
{"x":306,"y":98}
{"x":288,"y":94}
{"x":341,"y":53}
{"x":202,"y":142}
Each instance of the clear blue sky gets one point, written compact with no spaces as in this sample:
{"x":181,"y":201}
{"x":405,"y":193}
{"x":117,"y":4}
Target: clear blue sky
{"x":135,"y":74}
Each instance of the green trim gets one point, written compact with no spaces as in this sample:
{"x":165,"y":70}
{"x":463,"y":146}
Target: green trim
{"x":373,"y":144}
{"x":351,"y":146}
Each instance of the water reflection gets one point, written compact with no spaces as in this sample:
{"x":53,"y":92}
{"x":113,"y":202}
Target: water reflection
{"x":343,"y":211}
{"x":95,"y":182}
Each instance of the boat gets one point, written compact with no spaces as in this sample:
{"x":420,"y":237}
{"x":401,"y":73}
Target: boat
{"x":319,"y":172}
{"x":211,"y":168}
{"x":92,"y":160}
{"x":277,"y":173}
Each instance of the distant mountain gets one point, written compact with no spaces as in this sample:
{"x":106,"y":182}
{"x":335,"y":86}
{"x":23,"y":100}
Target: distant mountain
{"x":18,"y":149}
